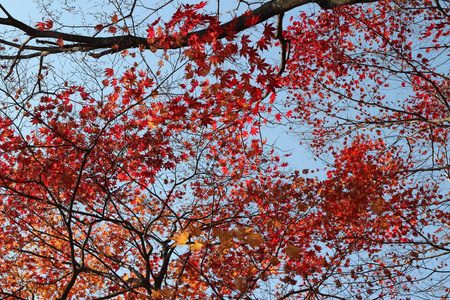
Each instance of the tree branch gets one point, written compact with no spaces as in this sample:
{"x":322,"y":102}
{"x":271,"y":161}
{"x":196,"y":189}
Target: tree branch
{"x":83,"y":43}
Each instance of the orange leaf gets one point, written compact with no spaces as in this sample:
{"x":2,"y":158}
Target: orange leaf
{"x":180,"y":238}
{"x":112,"y":29}
{"x":274,"y":260}
{"x":255,"y":240}
{"x":99,"y":27}
{"x":292,"y":252}
{"x":114,"y":18}
{"x":196,"y":245}
{"x":60,"y":42}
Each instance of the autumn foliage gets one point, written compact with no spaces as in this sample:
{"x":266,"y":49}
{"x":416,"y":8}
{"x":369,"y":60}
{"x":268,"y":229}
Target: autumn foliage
{"x":156,"y":178}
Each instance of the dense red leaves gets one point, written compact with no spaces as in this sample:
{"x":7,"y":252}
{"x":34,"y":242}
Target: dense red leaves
{"x":346,"y":81}
{"x":147,"y":193}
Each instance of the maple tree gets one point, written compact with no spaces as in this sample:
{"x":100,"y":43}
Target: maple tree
{"x":134,"y":163}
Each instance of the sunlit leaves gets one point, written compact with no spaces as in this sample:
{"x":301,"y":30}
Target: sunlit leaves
{"x":197,"y":245}
{"x":180,"y":238}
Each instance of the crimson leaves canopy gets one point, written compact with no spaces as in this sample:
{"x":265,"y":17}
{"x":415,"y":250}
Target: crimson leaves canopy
{"x":136,"y":162}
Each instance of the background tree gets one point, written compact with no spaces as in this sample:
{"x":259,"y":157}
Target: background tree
{"x":134,"y":162}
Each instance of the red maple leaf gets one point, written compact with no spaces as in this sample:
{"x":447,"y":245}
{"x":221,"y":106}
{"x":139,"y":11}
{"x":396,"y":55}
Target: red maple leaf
{"x":46,"y":25}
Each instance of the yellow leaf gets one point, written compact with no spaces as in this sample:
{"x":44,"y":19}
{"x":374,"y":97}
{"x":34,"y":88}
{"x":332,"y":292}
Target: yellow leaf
{"x":159,"y":31}
{"x":152,"y":123}
{"x":180,"y":238}
{"x":196,"y":245}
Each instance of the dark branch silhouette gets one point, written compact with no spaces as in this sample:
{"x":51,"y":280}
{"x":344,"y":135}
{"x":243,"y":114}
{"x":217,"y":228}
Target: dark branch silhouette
{"x":83,"y":43}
